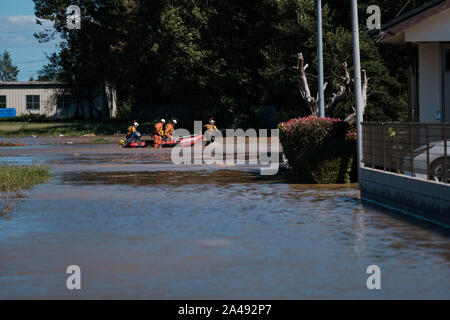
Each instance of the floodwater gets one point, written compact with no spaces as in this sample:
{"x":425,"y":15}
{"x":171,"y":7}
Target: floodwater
{"x":139,"y":226}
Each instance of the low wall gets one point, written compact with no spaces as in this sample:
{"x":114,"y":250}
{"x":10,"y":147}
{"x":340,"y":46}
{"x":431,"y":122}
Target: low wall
{"x":423,"y":199}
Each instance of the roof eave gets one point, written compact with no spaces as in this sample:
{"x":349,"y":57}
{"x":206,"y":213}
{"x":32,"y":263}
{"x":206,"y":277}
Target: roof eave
{"x":32,"y":83}
{"x":393,"y":32}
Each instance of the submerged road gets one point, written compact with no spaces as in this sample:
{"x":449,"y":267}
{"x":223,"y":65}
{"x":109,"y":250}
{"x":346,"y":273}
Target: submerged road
{"x":139,"y":226}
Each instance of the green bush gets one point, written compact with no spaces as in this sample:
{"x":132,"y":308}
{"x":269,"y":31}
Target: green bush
{"x":28,"y":117}
{"x":332,"y":162}
{"x":319,"y":150}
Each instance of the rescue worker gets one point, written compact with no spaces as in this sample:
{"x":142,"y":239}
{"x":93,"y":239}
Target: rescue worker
{"x":132,"y":134}
{"x":170,"y":128}
{"x":158,"y":133}
{"x":210,"y":130}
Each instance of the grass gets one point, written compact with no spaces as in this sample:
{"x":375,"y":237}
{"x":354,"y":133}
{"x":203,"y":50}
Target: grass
{"x":72,"y":128}
{"x":17,"y":178}
{"x":14,"y":179}
{"x":53,"y":129}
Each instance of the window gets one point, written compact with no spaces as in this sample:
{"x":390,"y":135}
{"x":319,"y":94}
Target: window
{"x":33,"y":102}
{"x":63,"y":102}
{"x":2,"y":102}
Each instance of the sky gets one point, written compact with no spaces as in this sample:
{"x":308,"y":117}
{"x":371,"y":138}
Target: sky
{"x":17,"y":25}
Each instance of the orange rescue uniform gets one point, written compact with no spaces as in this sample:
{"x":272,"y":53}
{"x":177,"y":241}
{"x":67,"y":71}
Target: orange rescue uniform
{"x":158,"y":133}
{"x":130,"y":130}
{"x":209,"y":133}
{"x":210,"y":126}
{"x":169,"y":130}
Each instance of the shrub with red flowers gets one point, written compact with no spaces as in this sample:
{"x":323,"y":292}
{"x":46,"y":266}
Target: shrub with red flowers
{"x":302,"y":134}
{"x":316,"y":148}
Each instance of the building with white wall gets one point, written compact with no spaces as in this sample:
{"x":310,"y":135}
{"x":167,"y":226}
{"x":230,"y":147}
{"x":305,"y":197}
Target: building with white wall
{"x":426,"y":31}
{"x":406,"y":165}
{"x":53,"y":100}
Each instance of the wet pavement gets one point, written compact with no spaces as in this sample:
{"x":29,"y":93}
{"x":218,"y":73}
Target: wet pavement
{"x":141,"y":227}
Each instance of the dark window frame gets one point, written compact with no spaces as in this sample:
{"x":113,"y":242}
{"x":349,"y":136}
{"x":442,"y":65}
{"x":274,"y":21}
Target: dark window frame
{"x":3,"y":104}
{"x":33,"y":102}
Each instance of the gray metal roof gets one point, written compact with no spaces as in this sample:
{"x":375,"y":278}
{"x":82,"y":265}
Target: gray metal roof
{"x":32,"y":83}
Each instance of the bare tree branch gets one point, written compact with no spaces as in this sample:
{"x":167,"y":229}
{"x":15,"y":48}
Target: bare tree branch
{"x":305,"y":92}
{"x":344,"y":90}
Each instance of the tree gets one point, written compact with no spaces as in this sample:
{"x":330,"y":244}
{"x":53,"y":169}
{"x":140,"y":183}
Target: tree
{"x":221,"y":58}
{"x":51,"y":71}
{"x":8,"y":71}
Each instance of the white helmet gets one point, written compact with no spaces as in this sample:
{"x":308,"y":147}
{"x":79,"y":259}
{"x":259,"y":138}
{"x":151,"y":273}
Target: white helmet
{"x":212,"y":122}
{"x":175,"y":121}
{"x":163,"y":121}
{"x":136,"y":124}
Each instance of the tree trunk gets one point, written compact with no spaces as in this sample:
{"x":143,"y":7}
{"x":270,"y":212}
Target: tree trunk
{"x":352,"y":118}
{"x":305,"y":92}
{"x":343,"y":93}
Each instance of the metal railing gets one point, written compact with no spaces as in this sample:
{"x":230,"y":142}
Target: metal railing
{"x":415,"y":149}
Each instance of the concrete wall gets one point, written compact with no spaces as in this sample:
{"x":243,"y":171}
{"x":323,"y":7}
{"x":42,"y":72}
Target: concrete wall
{"x":430,"y":82}
{"x":423,"y":199}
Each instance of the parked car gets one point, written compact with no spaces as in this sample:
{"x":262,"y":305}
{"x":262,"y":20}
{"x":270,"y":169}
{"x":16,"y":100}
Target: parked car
{"x":418,"y":159}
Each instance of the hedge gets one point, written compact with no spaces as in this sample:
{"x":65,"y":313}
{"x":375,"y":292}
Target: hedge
{"x":319,"y":150}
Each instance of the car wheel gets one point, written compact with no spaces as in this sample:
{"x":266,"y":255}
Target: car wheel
{"x":437,"y":171}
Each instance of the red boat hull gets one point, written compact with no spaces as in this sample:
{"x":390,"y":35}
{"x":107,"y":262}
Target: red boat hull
{"x":137,"y":144}
{"x":184,"y":142}
{"x":169,"y":143}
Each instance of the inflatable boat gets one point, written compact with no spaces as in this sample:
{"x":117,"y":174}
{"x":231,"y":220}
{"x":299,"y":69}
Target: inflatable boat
{"x":169,"y":143}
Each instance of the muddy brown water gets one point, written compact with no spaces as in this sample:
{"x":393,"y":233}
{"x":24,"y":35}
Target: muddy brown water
{"x":141,"y":227}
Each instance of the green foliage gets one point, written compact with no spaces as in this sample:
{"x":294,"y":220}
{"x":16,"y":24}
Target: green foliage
{"x":299,"y":135}
{"x":16,"y":178}
{"x":13,"y":127}
{"x":221,"y":58}
{"x":51,"y":71}
{"x":28,"y":117}
{"x":8,"y":71}
{"x":124,"y":109}
{"x":332,"y":162}
{"x":317,"y":149}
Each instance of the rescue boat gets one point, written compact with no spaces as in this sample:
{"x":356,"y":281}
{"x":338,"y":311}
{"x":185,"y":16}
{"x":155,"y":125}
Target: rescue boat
{"x":183,"y":141}
{"x":169,"y":143}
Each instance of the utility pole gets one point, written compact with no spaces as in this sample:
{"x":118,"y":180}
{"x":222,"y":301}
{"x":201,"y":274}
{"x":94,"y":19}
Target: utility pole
{"x":357,"y":68}
{"x":320,"y":59}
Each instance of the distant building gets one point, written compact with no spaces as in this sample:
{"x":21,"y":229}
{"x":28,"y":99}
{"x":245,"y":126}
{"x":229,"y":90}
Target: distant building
{"x":426,"y":31}
{"x":51,"y":99}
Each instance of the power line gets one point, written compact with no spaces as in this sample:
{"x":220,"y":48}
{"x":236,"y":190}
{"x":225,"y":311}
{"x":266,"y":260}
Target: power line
{"x":403,"y":8}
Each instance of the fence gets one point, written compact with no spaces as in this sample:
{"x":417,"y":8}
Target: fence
{"x":414,"y":149}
